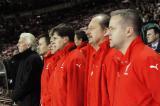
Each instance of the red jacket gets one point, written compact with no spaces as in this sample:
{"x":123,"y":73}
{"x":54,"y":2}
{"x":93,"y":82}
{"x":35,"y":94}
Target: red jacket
{"x":97,"y":95}
{"x":138,"y":77}
{"x":67,"y":81}
{"x":83,"y":44}
{"x":49,"y":63}
{"x":87,"y":52}
{"x":109,"y":72}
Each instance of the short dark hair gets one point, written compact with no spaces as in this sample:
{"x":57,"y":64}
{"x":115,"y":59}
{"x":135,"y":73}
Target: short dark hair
{"x":156,"y":30}
{"x":81,"y":35}
{"x":130,"y":16}
{"x":46,"y":36}
{"x":63,"y":30}
{"x":104,"y":22}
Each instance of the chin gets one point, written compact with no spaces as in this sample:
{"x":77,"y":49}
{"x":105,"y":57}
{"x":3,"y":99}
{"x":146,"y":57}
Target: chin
{"x":90,"y":42}
{"x":20,"y":51}
{"x":111,"y":46}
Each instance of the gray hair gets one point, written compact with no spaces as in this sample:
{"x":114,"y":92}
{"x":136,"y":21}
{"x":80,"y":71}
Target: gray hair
{"x":30,"y":40}
{"x":130,"y":16}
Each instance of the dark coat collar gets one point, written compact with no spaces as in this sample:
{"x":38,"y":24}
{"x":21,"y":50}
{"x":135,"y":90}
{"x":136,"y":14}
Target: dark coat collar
{"x":26,"y":53}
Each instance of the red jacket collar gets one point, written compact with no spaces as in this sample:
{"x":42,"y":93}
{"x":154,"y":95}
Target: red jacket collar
{"x":69,"y":47}
{"x":82,"y":45}
{"x":127,"y":57}
{"x":104,"y":44}
{"x":48,"y":54}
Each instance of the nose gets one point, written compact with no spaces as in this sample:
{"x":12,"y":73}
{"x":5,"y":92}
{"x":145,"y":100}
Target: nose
{"x":109,"y":32}
{"x":88,"y":33}
{"x":17,"y":44}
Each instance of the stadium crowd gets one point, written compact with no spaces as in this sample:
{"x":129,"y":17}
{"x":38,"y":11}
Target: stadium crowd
{"x":37,"y":24}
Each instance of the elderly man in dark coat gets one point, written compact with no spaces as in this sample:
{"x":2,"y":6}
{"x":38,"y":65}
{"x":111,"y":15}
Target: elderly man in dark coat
{"x":27,"y":85}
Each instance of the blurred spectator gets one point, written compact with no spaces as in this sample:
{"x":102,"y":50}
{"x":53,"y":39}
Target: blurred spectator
{"x":77,"y":17}
{"x":12,"y":68}
{"x":152,"y":36}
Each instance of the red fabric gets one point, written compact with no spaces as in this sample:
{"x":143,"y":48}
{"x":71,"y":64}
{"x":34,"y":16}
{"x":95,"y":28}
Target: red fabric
{"x":109,"y":72}
{"x":138,"y":79}
{"x":96,"y":95}
{"x":83,"y":44}
{"x":67,"y":81}
{"x":87,"y":52}
{"x":49,"y":63}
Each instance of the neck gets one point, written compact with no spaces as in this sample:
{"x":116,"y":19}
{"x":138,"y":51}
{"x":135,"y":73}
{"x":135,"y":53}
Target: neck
{"x":126,"y":45}
{"x":45,"y":54}
{"x":97,"y":45}
{"x":155,"y":41}
{"x":124,"y":49}
{"x":64,"y":46}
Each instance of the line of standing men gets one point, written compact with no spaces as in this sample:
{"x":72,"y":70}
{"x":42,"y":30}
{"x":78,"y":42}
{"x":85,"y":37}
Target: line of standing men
{"x":114,"y":69}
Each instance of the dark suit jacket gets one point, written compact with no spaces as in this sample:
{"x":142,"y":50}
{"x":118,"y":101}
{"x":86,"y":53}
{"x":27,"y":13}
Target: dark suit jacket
{"x":27,"y":85}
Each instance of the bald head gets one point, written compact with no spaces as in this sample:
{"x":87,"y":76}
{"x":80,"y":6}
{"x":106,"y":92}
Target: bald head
{"x":97,"y":29}
{"x":102,"y":19}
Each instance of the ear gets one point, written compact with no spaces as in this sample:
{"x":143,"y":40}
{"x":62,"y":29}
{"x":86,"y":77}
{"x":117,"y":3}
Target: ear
{"x":129,"y":31}
{"x":157,"y":35}
{"x":65,"y":39}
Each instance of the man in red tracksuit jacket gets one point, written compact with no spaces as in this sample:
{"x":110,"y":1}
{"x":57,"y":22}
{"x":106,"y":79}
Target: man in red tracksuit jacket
{"x":97,"y":29}
{"x":66,"y":84}
{"x":49,"y":58}
{"x":43,"y":49}
{"x":45,"y":77}
{"x":137,"y":78}
{"x":87,"y":52}
{"x":50,"y":61}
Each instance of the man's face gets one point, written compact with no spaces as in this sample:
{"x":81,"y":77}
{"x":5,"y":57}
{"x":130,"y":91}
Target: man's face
{"x":151,"y":36}
{"x":42,"y":46}
{"x":22,"y":45}
{"x":57,"y":42}
{"x":52,"y":47}
{"x":117,"y":32}
{"x":95,"y":32}
{"x":77,"y":41}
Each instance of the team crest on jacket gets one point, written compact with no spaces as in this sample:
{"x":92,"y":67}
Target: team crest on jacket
{"x":127,"y":69}
{"x":78,"y":65}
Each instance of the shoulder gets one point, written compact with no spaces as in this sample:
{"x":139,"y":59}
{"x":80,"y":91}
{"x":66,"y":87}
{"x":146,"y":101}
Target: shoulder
{"x":74,"y":57}
{"x":76,"y":54}
{"x":111,"y":54}
{"x":147,"y":57}
{"x":34,"y":56}
{"x":146,"y":54}
{"x":87,"y":48}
